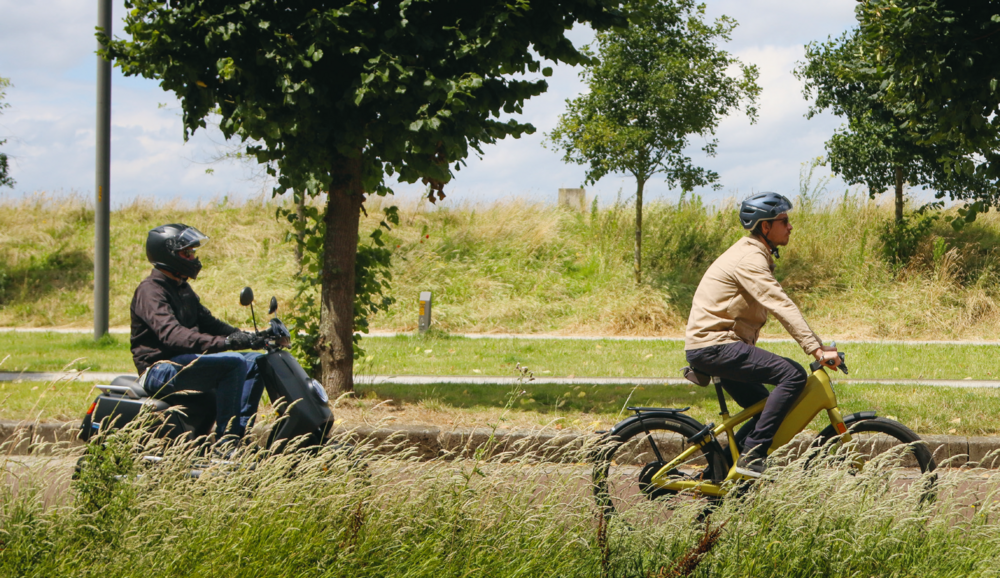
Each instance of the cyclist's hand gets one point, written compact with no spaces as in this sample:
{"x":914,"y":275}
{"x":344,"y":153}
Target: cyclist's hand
{"x":827,"y":355}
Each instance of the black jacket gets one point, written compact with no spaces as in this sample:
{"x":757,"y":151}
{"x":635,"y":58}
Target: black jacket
{"x":168,"y":320}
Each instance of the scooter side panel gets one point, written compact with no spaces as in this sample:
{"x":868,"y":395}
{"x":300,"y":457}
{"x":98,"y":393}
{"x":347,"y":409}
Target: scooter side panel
{"x":303,"y":412}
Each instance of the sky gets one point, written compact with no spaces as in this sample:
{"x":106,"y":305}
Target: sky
{"x":47,"y":51}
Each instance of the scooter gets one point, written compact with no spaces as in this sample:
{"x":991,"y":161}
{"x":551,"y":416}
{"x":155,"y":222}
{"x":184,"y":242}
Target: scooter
{"x":301,"y":403}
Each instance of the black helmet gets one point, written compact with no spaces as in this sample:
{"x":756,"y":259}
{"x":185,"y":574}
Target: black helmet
{"x":164,"y":243}
{"x":763,"y":207}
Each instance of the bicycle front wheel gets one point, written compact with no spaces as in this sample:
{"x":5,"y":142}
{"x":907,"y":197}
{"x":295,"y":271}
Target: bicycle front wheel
{"x":626,"y":463}
{"x":874,"y":437}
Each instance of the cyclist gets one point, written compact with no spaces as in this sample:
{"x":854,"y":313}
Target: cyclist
{"x":730,"y":306}
{"x":179,"y":346}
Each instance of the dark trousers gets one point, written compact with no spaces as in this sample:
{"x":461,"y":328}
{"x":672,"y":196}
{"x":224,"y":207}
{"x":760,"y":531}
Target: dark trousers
{"x":233,"y":378}
{"x":743,"y":370}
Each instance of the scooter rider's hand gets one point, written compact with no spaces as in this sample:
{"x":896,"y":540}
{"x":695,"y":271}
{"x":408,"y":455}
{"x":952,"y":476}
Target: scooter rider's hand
{"x":239,"y":340}
{"x":257,"y":341}
{"x":827,"y":355}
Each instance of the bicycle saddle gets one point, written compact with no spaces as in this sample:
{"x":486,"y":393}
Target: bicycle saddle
{"x":696,"y":377}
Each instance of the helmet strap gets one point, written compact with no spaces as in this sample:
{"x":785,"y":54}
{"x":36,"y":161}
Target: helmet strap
{"x":770,"y":245}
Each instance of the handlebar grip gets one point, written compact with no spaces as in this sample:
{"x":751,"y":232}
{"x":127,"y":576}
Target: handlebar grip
{"x":817,"y":364}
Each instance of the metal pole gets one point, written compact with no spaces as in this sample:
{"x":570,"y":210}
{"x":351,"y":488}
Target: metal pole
{"x":102,"y":205}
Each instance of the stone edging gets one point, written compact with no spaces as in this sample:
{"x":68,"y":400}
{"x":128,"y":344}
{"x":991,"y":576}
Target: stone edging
{"x":429,"y":442}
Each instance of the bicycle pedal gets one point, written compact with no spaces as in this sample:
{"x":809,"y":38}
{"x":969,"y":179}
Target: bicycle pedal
{"x":701,"y":435}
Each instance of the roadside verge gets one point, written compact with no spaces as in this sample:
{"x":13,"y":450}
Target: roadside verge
{"x":430,"y":442}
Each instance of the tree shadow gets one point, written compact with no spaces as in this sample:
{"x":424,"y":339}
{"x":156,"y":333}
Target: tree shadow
{"x":41,"y":275}
{"x":547,"y":399}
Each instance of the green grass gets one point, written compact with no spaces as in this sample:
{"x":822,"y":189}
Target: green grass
{"x":322,"y":515}
{"x":441,"y":354}
{"x":925,"y":409}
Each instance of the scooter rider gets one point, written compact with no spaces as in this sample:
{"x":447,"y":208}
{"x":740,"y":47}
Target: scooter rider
{"x":730,"y":306}
{"x":179,"y":346}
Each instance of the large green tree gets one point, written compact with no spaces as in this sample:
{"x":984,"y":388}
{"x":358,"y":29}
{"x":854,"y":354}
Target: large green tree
{"x":338,"y":95}
{"x":5,"y":178}
{"x":874,"y":148}
{"x":938,"y":63}
{"x":655,"y":85}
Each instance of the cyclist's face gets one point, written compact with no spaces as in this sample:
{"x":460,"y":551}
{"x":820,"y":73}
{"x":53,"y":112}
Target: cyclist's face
{"x":780,"y":230}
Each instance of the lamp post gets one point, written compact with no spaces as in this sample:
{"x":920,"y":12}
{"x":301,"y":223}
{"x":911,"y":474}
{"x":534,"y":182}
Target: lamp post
{"x":102,"y":204}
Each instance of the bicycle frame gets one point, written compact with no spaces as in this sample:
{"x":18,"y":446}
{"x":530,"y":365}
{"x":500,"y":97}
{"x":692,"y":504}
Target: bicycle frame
{"x":816,"y":396}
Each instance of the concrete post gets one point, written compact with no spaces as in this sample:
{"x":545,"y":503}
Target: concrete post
{"x":575,"y":199}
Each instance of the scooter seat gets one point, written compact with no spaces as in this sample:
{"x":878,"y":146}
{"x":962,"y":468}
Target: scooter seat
{"x":131,"y":382}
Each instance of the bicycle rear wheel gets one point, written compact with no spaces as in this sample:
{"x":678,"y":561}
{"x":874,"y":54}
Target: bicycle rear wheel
{"x":874,"y":437}
{"x":626,"y":462}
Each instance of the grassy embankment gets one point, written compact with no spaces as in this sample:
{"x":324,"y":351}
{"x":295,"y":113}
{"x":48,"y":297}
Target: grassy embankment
{"x":501,"y":516}
{"x":518,"y":267}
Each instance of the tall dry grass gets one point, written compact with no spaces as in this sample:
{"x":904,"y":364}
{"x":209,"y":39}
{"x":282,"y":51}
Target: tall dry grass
{"x":517,"y":266}
{"x":379,"y":512}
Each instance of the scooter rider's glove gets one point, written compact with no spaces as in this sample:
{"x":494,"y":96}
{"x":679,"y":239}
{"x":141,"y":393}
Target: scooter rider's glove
{"x":239,"y":340}
{"x":257,"y":341}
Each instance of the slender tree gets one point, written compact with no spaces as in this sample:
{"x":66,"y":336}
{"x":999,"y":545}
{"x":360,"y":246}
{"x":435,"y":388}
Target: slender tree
{"x":655,"y":85}
{"x":937,"y":63}
{"x":339,"y":94}
{"x":874,"y":148}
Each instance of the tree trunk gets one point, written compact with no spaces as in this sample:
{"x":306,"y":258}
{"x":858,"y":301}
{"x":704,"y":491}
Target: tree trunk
{"x":899,"y":194}
{"x":340,"y":248}
{"x":300,"y":214}
{"x":638,"y":230}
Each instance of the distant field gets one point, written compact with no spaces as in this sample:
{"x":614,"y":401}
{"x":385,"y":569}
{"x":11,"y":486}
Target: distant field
{"x":525,"y":268}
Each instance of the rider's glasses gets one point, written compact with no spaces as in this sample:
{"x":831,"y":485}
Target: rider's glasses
{"x":782,"y":220}
{"x":188,"y":254}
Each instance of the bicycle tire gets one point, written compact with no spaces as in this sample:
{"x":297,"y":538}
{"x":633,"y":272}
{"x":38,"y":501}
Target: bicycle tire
{"x":871,"y":435}
{"x":625,"y":462}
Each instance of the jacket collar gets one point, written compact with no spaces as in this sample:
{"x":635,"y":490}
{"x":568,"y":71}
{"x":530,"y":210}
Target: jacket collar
{"x":763,"y":249}
{"x":163,"y":278}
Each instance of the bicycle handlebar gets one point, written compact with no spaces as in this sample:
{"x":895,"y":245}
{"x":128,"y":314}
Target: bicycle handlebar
{"x":843,"y":366}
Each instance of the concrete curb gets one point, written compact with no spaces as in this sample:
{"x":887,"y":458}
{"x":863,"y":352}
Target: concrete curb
{"x":431,"y":442}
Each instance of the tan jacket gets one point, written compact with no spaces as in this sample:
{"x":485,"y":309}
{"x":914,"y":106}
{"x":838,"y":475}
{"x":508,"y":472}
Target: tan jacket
{"x":734,"y":297}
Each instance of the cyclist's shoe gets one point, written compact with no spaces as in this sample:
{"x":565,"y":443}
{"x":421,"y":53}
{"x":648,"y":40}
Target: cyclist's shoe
{"x":752,"y":463}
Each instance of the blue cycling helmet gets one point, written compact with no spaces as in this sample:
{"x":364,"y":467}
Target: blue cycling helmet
{"x":762,"y":207}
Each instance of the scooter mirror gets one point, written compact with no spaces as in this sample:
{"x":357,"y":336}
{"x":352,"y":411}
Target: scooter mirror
{"x":273,"y":307}
{"x":246,"y":296}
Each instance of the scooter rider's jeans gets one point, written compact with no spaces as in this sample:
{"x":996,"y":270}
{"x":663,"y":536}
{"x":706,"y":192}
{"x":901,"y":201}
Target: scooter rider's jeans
{"x":743,"y":370}
{"x":233,"y":377}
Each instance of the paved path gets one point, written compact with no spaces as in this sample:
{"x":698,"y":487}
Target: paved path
{"x":542,"y":336}
{"x":106,"y":377}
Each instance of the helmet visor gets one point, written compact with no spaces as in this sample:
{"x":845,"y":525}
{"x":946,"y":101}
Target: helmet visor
{"x":189,"y":239}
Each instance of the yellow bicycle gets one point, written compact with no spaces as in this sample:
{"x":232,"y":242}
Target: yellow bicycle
{"x":663,"y":451}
